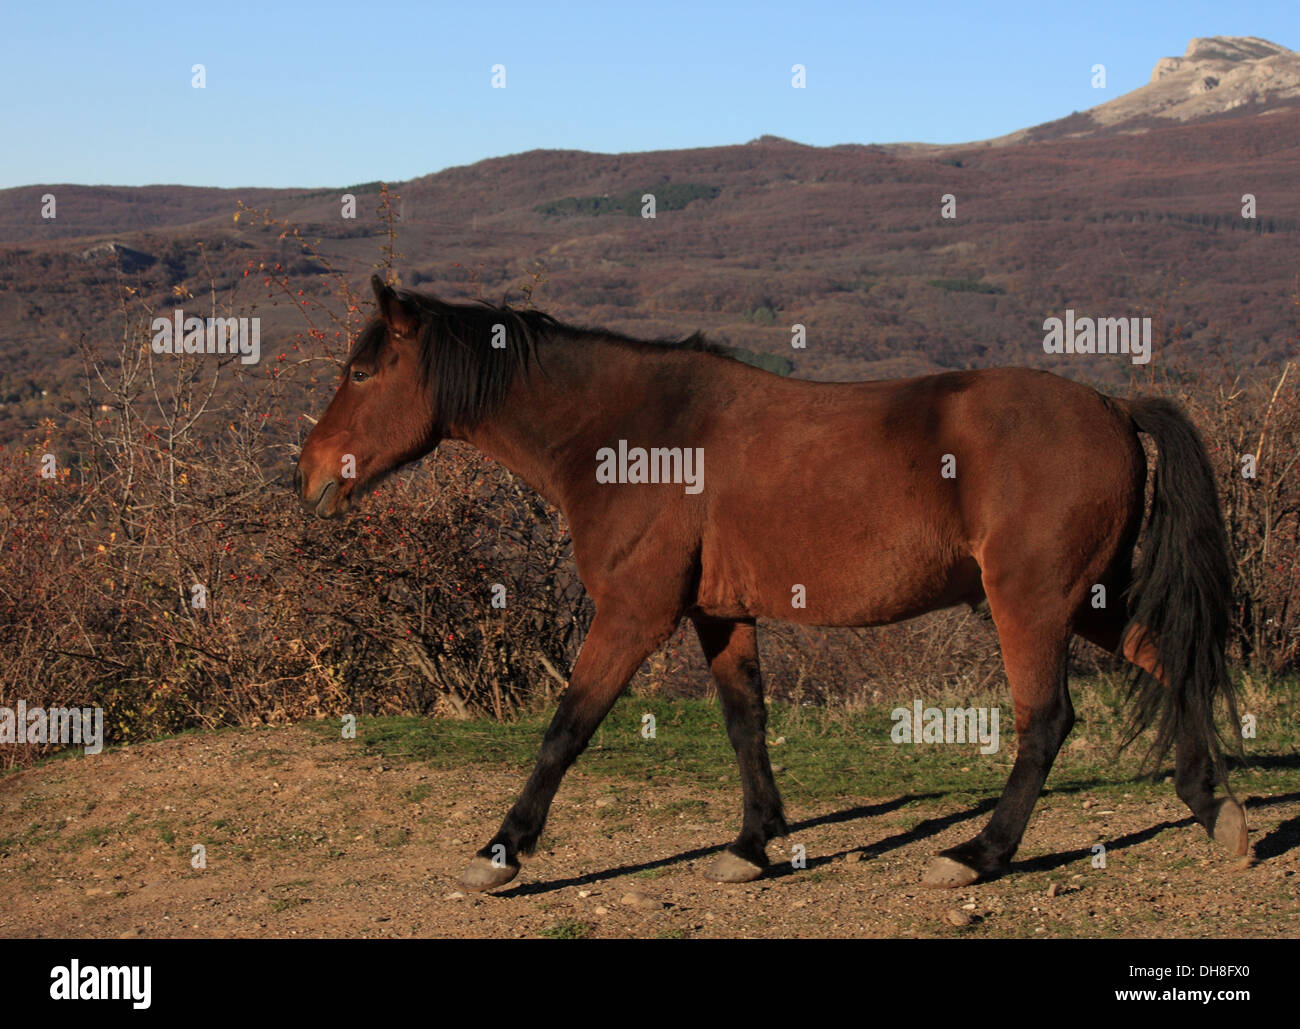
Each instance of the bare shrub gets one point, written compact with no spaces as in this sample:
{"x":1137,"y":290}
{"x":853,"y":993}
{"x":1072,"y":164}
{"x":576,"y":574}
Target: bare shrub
{"x":166,"y":573}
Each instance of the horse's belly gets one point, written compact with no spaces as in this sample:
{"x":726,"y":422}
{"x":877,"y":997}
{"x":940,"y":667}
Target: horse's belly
{"x":837,"y":582}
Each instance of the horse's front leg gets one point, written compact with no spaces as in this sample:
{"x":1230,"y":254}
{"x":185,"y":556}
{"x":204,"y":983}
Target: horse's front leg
{"x":616,"y":644}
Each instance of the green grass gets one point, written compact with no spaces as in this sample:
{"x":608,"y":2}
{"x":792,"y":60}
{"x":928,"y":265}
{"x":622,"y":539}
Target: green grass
{"x":775,"y":363}
{"x":677,"y":808}
{"x":851,"y":285}
{"x":668,"y":197}
{"x":287,"y":903}
{"x":567,"y":929}
{"x":830,"y":753}
{"x":966,"y":286}
{"x":395,"y":837}
{"x":88,"y":838}
{"x":824,"y":754}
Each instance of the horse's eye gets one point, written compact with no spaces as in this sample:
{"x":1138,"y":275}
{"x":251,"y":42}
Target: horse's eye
{"x":359,"y":376}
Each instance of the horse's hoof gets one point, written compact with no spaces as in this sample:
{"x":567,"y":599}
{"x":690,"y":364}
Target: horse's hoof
{"x":731,"y":868}
{"x":1229,"y":827}
{"x":483,"y":874}
{"x":946,"y":874}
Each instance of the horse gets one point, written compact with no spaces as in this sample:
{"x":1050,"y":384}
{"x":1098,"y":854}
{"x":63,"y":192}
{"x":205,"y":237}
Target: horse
{"x":875,"y":501}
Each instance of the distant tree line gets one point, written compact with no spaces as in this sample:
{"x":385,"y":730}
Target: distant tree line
{"x":668,"y":197}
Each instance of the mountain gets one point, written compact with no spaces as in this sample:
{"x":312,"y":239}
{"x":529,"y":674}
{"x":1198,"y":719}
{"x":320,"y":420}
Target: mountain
{"x":1141,"y":215}
{"x":1217,"y":76}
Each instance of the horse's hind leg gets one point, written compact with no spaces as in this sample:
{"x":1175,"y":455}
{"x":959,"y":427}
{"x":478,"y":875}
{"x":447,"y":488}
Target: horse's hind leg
{"x":731,"y":649}
{"x":1194,"y":779}
{"x":1035,"y":641}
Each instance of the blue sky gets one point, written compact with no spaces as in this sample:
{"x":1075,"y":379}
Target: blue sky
{"x":330,"y":94}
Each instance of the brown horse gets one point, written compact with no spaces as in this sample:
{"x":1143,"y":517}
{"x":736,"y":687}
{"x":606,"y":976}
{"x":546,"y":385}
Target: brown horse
{"x":882,"y":500}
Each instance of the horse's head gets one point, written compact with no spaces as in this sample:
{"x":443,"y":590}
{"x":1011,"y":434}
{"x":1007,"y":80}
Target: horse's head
{"x":382,"y":416}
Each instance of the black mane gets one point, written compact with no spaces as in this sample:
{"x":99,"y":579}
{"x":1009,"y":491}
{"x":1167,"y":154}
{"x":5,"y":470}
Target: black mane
{"x":470,"y":378}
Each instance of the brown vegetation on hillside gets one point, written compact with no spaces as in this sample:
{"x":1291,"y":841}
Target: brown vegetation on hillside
{"x":847,"y":241}
{"x":173,"y":473}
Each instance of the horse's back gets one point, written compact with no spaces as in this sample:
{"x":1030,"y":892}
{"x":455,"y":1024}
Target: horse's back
{"x":886,"y":493}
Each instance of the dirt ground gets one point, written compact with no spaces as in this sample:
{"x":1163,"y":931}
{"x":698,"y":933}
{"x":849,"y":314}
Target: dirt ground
{"x":309,"y":836}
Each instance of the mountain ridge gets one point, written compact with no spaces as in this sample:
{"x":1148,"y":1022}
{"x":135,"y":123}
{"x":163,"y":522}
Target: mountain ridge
{"x":848,"y":240}
{"x":1216,"y":75}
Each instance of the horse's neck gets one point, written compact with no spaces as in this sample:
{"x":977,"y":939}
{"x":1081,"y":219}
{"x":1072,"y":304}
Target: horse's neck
{"x":546,"y":431}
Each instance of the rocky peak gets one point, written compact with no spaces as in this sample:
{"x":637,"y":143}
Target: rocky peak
{"x":1218,"y":51}
{"x":1216,"y":74}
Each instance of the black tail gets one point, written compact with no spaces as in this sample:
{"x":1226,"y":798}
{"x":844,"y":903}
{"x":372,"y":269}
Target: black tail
{"x":1181,"y":589}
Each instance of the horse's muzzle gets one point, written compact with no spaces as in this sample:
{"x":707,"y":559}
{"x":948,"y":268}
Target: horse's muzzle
{"x":318,"y":501}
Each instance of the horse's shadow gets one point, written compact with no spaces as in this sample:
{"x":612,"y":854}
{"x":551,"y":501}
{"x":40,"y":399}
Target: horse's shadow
{"x":847,"y":815}
{"x":1286,"y":836}
{"x":1281,"y":839}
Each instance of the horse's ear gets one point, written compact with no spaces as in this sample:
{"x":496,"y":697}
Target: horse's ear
{"x":400,"y":317}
